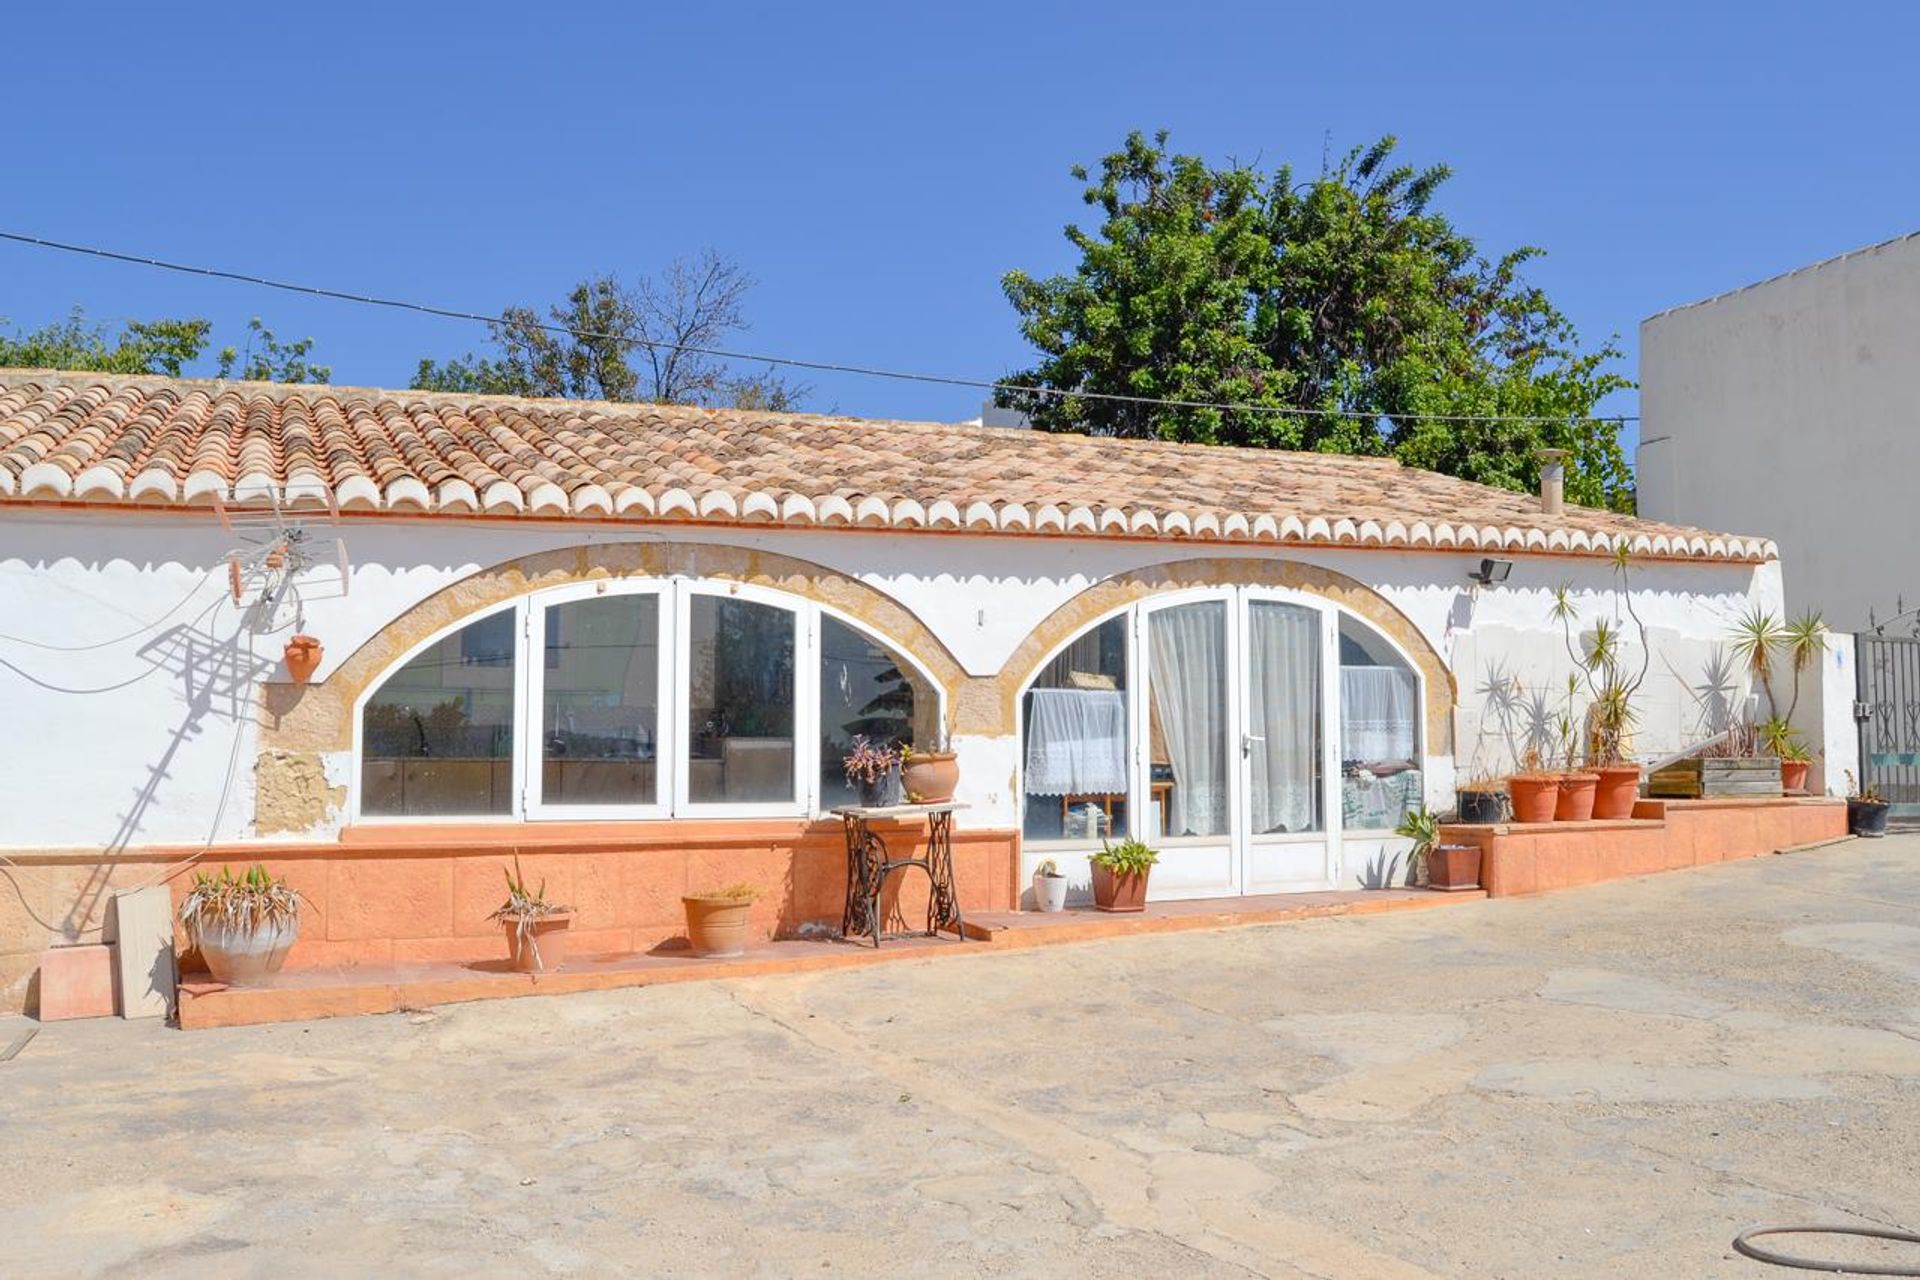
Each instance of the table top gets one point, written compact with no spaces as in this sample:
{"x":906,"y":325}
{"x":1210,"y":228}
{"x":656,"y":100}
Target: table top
{"x":894,"y":810}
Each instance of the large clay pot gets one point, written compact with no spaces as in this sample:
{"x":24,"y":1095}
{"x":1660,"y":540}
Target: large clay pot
{"x":1049,"y":892}
{"x":929,"y":777}
{"x":1617,"y":791}
{"x":543,"y":947}
{"x":1453,"y":867}
{"x":717,"y":926}
{"x":236,"y":957}
{"x":1119,"y":893}
{"x":1793,"y":774}
{"x":1575,"y":803}
{"x":1534,"y":796}
{"x":302,"y":656}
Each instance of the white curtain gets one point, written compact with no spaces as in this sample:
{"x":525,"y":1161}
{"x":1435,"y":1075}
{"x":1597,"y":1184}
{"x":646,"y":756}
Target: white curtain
{"x":1188,"y":675}
{"x":1283,"y":665}
{"x":1076,"y":742}
{"x":1377,"y":708}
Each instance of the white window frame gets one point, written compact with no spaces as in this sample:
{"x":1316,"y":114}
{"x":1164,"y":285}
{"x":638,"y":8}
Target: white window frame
{"x":672,"y":743}
{"x":531,"y":762}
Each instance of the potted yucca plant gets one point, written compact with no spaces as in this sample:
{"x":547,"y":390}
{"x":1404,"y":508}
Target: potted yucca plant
{"x":536,"y":929}
{"x":243,"y":926}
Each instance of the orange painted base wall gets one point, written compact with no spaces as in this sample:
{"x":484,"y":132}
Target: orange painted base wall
{"x":421,"y":894}
{"x":1662,"y":835}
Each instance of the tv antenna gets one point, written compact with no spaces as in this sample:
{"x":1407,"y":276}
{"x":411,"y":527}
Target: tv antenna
{"x":276,"y":552}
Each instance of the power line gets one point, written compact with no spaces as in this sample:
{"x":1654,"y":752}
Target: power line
{"x":792,"y":362}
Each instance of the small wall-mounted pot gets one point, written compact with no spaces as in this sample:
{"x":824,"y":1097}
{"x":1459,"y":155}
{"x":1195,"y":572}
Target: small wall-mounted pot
{"x":302,"y":656}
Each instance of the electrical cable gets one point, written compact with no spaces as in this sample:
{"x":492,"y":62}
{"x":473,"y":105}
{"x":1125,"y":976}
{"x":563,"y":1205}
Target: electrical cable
{"x":793,"y":362}
{"x":102,"y":644}
{"x":1743,"y":1243}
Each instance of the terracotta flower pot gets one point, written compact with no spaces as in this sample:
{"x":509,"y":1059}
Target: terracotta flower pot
{"x":302,"y":656}
{"x":717,"y":926}
{"x":1119,"y":893}
{"x":1575,"y":803}
{"x":1793,"y":774}
{"x":1619,"y":788}
{"x":1534,"y":796}
{"x":1452,"y":867}
{"x":542,"y":948}
{"x":237,"y":957}
{"x":929,"y":777}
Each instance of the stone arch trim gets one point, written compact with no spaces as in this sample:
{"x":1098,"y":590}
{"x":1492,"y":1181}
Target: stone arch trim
{"x":991,"y":706}
{"x":319,"y":717}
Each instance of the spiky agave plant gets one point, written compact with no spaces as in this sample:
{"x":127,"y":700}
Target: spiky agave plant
{"x":1755,"y":637}
{"x":243,"y":904}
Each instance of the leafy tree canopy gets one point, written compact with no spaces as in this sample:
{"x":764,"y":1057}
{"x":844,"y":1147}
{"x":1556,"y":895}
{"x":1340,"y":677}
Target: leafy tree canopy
{"x":158,"y":346}
{"x":1345,"y":297}
{"x":626,"y":343}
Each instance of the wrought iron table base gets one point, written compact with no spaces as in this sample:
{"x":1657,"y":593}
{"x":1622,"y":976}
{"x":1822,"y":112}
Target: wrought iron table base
{"x":869,"y":864}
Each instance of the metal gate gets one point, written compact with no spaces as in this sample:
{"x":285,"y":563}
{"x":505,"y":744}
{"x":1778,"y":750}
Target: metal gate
{"x":1888,"y":711}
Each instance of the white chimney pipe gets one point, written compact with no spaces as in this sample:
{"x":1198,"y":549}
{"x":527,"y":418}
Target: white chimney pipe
{"x":1553,"y":476}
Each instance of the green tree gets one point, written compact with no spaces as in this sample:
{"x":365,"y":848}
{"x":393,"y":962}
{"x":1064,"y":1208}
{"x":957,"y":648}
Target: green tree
{"x":157,"y":346}
{"x":1345,"y":301}
{"x":610,"y":341}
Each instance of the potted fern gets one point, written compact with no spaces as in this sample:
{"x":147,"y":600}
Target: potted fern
{"x":536,"y":929}
{"x":1120,"y":874}
{"x":243,"y":926}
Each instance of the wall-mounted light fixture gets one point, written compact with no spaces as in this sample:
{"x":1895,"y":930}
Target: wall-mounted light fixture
{"x":1491,"y":572}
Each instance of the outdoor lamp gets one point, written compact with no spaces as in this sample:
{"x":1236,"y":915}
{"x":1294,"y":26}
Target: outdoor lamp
{"x":1491,"y":572}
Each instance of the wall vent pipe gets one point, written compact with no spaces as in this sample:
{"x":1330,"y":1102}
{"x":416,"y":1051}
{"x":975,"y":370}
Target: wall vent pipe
{"x":1553,"y":481}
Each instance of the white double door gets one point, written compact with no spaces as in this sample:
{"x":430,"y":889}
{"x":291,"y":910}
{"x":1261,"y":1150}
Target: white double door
{"x":1235,"y":762}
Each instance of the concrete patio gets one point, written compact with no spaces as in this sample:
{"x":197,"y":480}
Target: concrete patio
{"x":1609,"y":1081}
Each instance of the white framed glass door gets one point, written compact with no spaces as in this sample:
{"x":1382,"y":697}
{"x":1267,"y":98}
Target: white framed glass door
{"x":1187,"y":727}
{"x":1288,"y":760}
{"x":1233,"y":760}
{"x":599,"y":690}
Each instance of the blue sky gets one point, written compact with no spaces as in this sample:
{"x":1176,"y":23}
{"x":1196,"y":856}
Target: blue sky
{"x":878,"y":168}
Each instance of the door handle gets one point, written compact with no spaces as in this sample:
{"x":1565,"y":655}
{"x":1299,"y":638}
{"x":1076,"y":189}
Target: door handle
{"x":1246,"y":742}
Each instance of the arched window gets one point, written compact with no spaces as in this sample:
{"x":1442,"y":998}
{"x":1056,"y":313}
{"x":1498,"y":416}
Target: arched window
{"x":437,"y":736}
{"x":638,"y":699}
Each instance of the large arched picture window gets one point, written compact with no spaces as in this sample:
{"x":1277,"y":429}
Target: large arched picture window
{"x":636,"y":699}
{"x":1239,"y":730}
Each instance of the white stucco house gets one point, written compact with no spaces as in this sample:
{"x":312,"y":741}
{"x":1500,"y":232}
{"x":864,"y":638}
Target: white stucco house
{"x":630,"y":642}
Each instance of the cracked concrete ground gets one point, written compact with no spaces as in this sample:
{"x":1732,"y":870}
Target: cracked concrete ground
{"x":1604,"y":1082}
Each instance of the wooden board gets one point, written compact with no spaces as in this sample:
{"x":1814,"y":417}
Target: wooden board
{"x":1698,"y":778}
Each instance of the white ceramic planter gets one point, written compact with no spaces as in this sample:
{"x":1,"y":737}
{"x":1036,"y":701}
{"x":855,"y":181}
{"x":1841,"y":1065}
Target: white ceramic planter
{"x":236,"y":957}
{"x":1050,"y":892}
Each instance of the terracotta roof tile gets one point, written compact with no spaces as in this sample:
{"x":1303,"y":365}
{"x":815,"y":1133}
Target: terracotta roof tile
{"x":126,"y":441}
